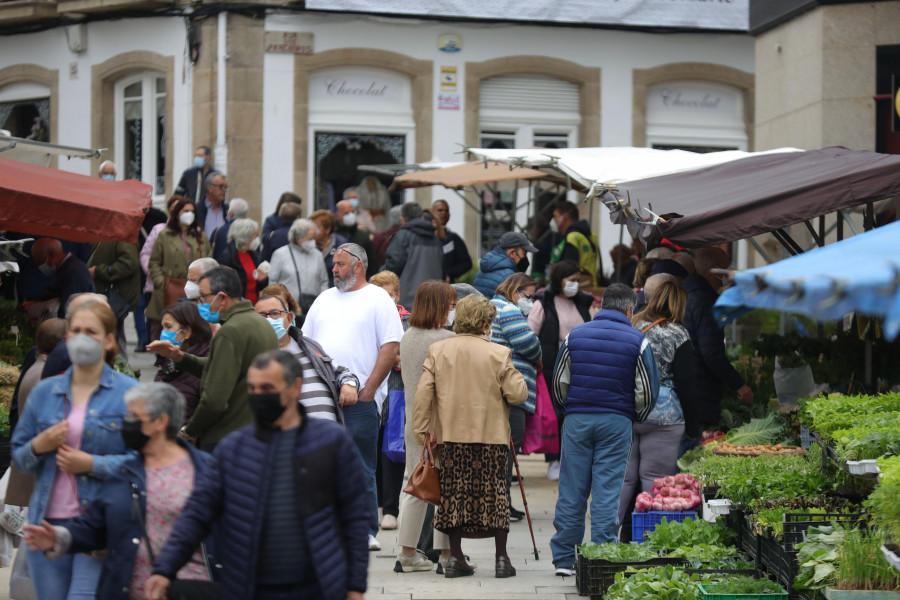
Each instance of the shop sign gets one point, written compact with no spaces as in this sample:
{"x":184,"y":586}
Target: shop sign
{"x":449,"y":42}
{"x":448,"y":78}
{"x":289,"y":42}
{"x":448,"y":101}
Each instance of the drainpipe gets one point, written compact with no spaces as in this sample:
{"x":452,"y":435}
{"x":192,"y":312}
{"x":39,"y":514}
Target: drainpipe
{"x":221,"y":149}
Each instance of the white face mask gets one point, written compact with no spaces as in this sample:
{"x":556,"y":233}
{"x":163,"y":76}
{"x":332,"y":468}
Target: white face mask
{"x":349,"y":220}
{"x":309,"y":245}
{"x":450,"y":317}
{"x":191,"y":290}
{"x":186,"y":218}
{"x":525,"y":305}
{"x":570,"y":289}
{"x":553,"y":226}
{"x":254,"y":244}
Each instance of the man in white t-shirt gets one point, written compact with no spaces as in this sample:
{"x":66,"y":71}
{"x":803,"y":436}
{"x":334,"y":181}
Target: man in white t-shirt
{"x":358,"y":325}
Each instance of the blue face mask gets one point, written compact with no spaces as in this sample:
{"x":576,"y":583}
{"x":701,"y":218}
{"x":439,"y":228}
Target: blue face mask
{"x":108,"y":177}
{"x":199,"y":162}
{"x":169,"y":336}
{"x":278,"y":326}
{"x":206,"y":314}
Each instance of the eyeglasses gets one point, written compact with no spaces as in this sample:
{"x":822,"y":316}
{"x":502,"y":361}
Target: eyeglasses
{"x":221,"y":186}
{"x":272,"y":313}
{"x":342,"y":249}
{"x":526,"y":296}
{"x":202,"y":296}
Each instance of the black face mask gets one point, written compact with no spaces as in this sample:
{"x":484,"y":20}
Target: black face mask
{"x":134,"y":438}
{"x":267,"y":408}
{"x":522,"y":265}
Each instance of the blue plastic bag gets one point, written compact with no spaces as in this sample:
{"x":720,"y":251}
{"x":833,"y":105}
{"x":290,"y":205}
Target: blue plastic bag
{"x":394,"y":446}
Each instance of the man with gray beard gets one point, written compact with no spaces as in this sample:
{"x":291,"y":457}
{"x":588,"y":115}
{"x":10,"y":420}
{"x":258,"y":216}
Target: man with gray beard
{"x":358,"y":325}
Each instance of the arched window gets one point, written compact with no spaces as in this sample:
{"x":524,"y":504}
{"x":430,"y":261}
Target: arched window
{"x":25,"y":110}
{"x":140,"y":128}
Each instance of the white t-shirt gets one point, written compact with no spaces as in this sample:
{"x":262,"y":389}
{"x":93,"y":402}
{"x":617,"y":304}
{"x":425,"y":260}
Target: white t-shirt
{"x":353,"y":326}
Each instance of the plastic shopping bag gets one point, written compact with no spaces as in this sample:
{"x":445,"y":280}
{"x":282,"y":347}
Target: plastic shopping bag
{"x":541,"y":430}
{"x":393,"y":445}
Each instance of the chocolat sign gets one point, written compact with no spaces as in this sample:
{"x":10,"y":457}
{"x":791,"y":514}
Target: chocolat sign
{"x":365,"y":88}
{"x":692,"y":98}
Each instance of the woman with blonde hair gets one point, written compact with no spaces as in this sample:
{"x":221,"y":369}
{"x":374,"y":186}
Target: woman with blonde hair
{"x":462,"y":404}
{"x":69,"y":436}
{"x":654,"y":446}
{"x":327,"y":240}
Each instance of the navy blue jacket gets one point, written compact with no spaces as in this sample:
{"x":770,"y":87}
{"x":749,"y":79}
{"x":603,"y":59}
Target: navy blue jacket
{"x":219,"y":240}
{"x":333,"y":504}
{"x":457,"y":261}
{"x":187,"y":187}
{"x":72,"y":277}
{"x":607,"y":366}
{"x":495,"y":267}
{"x":276,"y":239}
{"x":711,"y":366}
{"x":114,"y":523}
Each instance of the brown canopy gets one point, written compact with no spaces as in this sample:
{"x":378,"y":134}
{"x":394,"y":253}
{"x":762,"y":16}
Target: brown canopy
{"x":754,"y":195}
{"x":468,"y":175}
{"x":49,"y":202}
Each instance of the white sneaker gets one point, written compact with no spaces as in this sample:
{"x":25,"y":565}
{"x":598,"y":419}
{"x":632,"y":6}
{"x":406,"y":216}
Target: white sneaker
{"x":416,"y":562}
{"x":565,"y":572}
{"x":389,"y":522}
{"x":553,"y":471}
{"x":374,"y":545}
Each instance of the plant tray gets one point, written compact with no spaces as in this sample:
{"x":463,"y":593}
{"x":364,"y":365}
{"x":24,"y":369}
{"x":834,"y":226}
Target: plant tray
{"x":647,"y":521}
{"x":796,"y":525}
{"x":862,"y":467}
{"x":719,"y":507}
{"x":892,"y":558}
{"x":756,"y":573}
{"x":597,"y":574}
{"x":835,"y":594}
{"x":707,"y":590}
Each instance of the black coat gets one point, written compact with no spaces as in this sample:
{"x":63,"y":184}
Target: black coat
{"x":549,"y":333}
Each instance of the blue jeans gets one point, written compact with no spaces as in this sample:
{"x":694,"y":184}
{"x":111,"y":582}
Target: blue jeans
{"x":362,"y":424}
{"x":140,"y":322}
{"x":70,"y":577}
{"x":593,"y":459}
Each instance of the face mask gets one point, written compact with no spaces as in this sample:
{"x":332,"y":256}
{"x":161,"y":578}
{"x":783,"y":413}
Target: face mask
{"x":450,"y":317}
{"x":349,"y":220}
{"x":554,"y":227}
{"x":525,"y":305}
{"x":309,"y":245}
{"x":191,"y":290}
{"x":199,"y":162}
{"x":266,"y":408}
{"x":133,"y":436}
{"x":84,"y":351}
{"x":522,"y":265}
{"x":47,"y":269}
{"x":186,"y":218}
{"x":278,"y":326}
{"x":254,"y":244}
{"x":108,"y":177}
{"x":570,"y":289}
{"x":354,"y":202}
{"x":169,"y":336}
{"x":206,"y":314}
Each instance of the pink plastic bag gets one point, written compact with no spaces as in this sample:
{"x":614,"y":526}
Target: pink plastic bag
{"x":541,"y":429}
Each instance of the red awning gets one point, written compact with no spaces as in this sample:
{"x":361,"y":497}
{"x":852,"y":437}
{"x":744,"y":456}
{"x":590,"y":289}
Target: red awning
{"x":41,"y":201}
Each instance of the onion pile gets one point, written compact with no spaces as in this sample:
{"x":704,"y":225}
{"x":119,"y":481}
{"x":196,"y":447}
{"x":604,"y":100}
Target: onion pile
{"x":671,"y":493}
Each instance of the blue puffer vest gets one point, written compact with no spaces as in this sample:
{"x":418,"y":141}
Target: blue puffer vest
{"x":604,"y":355}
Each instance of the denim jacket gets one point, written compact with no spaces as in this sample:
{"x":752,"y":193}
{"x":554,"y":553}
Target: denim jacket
{"x":101,"y":436}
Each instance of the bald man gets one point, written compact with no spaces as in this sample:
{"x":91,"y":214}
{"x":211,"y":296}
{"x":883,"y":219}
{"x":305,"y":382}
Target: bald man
{"x":70,"y":275}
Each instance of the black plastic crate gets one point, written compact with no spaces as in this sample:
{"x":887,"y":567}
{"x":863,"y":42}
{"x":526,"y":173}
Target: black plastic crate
{"x":779,"y":562}
{"x":597,"y":574}
{"x":749,"y":542}
{"x":796,"y":525}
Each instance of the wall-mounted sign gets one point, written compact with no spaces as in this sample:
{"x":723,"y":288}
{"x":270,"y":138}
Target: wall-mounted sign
{"x":449,"y":42}
{"x":289,"y":42}
{"x":356,"y":86}
{"x":448,"y":101}
{"x":448,"y":78}
{"x":693,"y":98}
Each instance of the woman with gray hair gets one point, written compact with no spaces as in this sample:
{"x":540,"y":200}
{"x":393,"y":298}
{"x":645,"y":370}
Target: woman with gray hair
{"x":140,"y":502}
{"x":242,"y":255}
{"x":299,"y":265}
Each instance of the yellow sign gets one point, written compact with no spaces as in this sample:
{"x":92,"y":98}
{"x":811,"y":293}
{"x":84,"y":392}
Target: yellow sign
{"x":448,"y":78}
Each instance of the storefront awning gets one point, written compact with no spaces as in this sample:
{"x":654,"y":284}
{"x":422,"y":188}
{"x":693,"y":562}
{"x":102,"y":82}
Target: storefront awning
{"x":40,"y":153}
{"x":41,"y":201}
{"x":860,"y":274}
{"x":472,"y":175}
{"x":751,"y":196}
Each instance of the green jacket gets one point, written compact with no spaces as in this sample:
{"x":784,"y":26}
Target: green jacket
{"x":224,"y":405}
{"x":117,"y":265}
{"x":168,"y":259}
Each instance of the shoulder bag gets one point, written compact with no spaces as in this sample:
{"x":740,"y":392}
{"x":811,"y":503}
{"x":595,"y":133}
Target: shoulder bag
{"x":424,"y":483}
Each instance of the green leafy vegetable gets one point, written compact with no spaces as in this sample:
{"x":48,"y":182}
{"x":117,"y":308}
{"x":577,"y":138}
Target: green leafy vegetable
{"x":744,"y":585}
{"x":658,"y":583}
{"x":771,"y":430}
{"x":691,"y":532}
{"x":817,"y":557}
{"x":632,"y":552}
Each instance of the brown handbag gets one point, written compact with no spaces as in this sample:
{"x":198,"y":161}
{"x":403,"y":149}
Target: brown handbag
{"x":174,"y":289}
{"x":424,"y":483}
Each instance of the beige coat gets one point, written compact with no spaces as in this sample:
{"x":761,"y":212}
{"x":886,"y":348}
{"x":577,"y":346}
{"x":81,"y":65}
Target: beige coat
{"x":466,"y":388}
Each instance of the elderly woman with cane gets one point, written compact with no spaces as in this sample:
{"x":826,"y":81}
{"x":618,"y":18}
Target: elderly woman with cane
{"x":462,"y":404}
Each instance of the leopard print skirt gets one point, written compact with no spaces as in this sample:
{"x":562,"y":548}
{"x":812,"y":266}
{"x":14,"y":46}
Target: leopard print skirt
{"x":473,"y":489}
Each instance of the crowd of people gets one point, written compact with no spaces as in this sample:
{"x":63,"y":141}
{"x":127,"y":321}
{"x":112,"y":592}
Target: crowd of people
{"x":254,"y":467}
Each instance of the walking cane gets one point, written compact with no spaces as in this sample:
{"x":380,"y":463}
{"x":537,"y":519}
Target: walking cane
{"x":512,"y":449}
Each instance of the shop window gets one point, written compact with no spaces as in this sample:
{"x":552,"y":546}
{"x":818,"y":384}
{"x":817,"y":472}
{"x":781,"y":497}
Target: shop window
{"x":140,"y":129}
{"x":25,"y":110}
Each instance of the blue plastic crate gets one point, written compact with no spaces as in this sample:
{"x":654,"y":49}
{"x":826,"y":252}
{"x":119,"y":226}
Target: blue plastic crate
{"x":647,"y":521}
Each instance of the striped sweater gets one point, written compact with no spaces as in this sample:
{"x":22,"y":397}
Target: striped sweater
{"x":510,"y":329}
